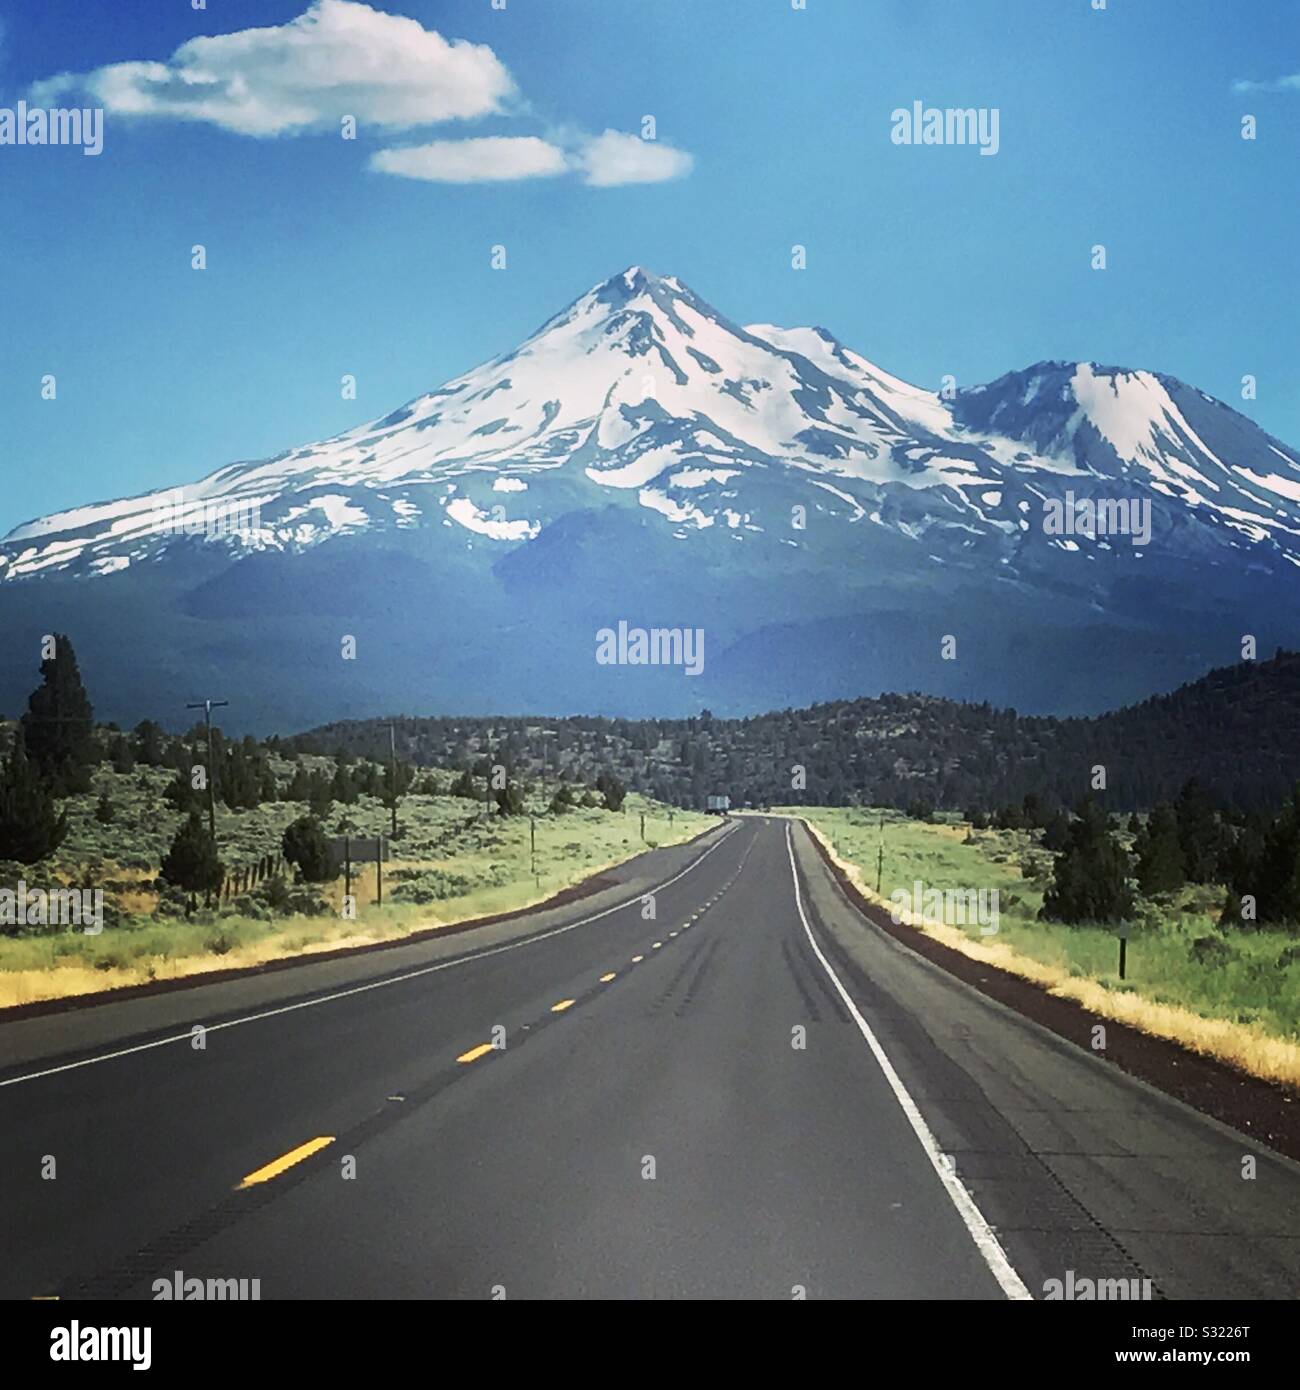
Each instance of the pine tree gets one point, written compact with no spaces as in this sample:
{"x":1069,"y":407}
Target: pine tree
{"x":612,"y":791}
{"x":1056,"y":833}
{"x":123,"y":757}
{"x":30,"y":827}
{"x":149,"y":744}
{"x":58,"y":725}
{"x":319,"y":799}
{"x":1199,"y":832}
{"x":1090,"y":882}
{"x":1160,"y":868}
{"x":299,"y":788}
{"x":181,"y":793}
{"x":192,"y":863}
{"x":342,"y":788}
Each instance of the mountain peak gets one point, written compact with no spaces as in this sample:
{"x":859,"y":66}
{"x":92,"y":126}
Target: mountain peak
{"x":640,"y":394}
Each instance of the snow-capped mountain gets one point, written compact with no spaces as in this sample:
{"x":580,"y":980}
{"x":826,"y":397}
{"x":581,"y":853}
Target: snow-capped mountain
{"x":642,"y":454}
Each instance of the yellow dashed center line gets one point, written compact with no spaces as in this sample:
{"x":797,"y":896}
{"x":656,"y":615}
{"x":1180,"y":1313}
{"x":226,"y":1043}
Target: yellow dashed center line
{"x":562,"y":1005}
{"x":605,"y":979}
{"x":657,"y":945}
{"x":286,"y":1161}
{"x":637,"y":958}
{"x":475,"y":1053}
{"x":671,"y":934}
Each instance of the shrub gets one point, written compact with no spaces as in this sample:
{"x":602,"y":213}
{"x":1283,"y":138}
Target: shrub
{"x":304,"y":845}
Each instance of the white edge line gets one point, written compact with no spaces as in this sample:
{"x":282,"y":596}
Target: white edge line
{"x":980,"y":1231}
{"x":373,"y":984}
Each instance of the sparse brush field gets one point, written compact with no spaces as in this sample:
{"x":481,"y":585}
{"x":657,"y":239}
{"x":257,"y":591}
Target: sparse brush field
{"x":1243,"y":982}
{"x":448,"y":865}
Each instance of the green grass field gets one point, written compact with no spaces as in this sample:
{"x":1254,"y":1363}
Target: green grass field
{"x":1177,"y":954}
{"x":448,"y":865}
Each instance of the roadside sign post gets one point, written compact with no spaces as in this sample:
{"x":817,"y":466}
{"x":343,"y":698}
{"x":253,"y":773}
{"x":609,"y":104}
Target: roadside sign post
{"x":1122,"y":933}
{"x":347,"y":850}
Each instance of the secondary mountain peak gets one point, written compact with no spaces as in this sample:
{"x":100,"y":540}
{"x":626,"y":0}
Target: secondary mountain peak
{"x":640,"y":440}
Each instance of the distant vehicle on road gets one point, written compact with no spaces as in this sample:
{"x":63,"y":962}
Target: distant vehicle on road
{"x":717,"y":805}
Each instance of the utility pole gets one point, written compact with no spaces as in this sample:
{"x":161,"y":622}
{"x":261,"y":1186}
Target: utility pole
{"x":207,"y":706}
{"x":379,"y":872}
{"x":392,"y":763}
{"x":532,"y":837}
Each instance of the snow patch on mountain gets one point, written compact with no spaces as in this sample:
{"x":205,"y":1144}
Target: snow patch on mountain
{"x":641,"y":395}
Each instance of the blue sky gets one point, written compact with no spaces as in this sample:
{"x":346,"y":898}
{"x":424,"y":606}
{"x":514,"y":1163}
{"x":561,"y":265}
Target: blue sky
{"x":1119,"y":126}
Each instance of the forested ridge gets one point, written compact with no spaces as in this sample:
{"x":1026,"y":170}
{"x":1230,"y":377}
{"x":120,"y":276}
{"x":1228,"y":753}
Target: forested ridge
{"x":1236,"y":731}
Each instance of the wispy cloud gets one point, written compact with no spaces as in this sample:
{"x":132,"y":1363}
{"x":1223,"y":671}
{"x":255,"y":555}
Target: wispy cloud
{"x":602,"y":161}
{"x":339,"y":58}
{"x":495,"y":158}
{"x":1272,"y":84}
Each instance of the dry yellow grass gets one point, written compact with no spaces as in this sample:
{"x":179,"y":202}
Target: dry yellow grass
{"x":295,"y":936}
{"x":1250,"y":1049}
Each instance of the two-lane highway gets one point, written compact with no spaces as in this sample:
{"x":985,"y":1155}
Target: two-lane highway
{"x":751,"y":1093}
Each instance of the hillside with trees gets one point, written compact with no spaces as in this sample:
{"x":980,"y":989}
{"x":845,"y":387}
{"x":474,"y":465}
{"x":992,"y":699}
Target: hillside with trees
{"x":1236,"y":732}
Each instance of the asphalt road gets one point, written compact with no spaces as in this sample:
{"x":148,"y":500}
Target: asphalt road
{"x":755,"y":1094}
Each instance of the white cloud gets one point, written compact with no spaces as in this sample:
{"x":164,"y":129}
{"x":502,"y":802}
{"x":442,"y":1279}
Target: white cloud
{"x":474,"y":161}
{"x":616,"y":158}
{"x":337,"y":58}
{"x":1276,"y":84}
{"x":604,"y":161}
{"x":344,"y":58}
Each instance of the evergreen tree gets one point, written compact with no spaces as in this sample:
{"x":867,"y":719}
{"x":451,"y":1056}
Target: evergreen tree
{"x":612,"y":791}
{"x":149,"y":748}
{"x":30,"y":826}
{"x":104,"y":812}
{"x":299,"y":788}
{"x":304,"y":844}
{"x":1199,"y":834}
{"x":1090,"y":881}
{"x":318,"y":796}
{"x":269,"y":788}
{"x":1056,"y":833}
{"x":192,"y":863}
{"x":510,"y":800}
{"x":123,"y":756}
{"x":58,"y":725}
{"x":181,"y":792}
{"x":342,"y":788}
{"x":1160,"y":866}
